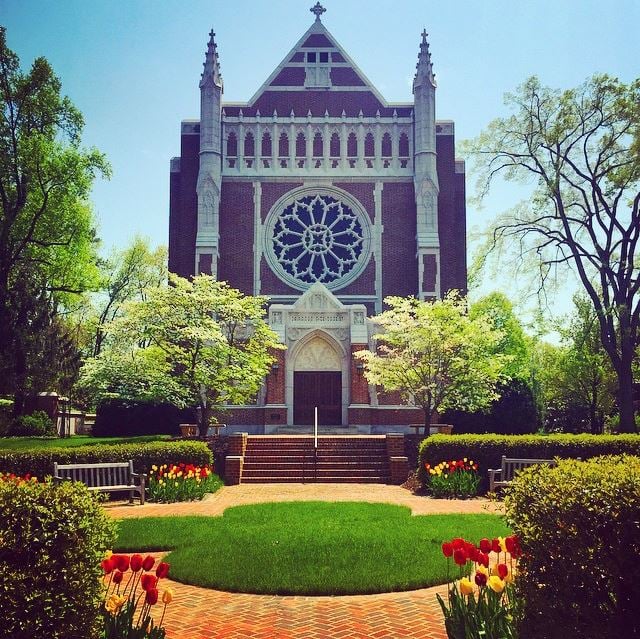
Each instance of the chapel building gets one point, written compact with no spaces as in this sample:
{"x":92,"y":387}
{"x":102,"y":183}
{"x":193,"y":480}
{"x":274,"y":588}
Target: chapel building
{"x":323,"y":196}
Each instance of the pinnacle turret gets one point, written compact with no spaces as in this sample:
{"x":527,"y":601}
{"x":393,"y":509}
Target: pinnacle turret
{"x":424,"y":68}
{"x":211,"y":64}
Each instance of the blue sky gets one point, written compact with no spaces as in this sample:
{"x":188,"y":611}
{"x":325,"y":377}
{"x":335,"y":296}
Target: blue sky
{"x":132,"y":67}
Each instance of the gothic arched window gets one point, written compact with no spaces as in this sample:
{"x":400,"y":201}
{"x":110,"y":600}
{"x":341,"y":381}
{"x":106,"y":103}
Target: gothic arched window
{"x":352,"y":145}
{"x":301,"y":145}
{"x":369,"y":146}
{"x":403,"y":146}
{"x":334,"y":146}
{"x":386,"y":146}
{"x":283,"y":145}
{"x":318,"y":151}
{"x":232,"y":145}
{"x":266,"y":144}
{"x":249,"y":145}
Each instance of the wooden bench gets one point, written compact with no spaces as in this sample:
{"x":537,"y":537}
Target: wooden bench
{"x":503,"y":476}
{"x":441,"y":429}
{"x":106,"y":477}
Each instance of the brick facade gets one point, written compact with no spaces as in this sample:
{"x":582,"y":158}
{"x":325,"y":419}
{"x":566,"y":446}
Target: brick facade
{"x":341,"y":137}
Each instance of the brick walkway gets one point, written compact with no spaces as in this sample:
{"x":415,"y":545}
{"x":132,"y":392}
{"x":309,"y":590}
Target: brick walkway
{"x":200,"y":613}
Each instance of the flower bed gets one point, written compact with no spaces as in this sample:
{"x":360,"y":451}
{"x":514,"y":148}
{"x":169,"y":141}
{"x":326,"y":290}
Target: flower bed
{"x":452,"y":479}
{"x":483,"y":603}
{"x":181,"y":482}
{"x":121,"y":616}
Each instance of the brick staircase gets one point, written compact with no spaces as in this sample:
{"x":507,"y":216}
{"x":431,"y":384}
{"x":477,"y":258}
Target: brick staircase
{"x":340,"y":459}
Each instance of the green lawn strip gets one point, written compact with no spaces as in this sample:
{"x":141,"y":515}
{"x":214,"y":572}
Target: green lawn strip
{"x":308,"y":548}
{"x":31,"y":443}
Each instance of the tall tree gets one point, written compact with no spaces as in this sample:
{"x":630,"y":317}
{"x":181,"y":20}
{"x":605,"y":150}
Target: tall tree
{"x":580,"y":149}
{"x":436,"y":355}
{"x":126,"y":276}
{"x":196,"y":342}
{"x":46,"y":226}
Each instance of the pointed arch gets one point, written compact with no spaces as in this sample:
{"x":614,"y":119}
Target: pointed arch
{"x":334,"y":145}
{"x":403,"y":145}
{"x":266,"y":145}
{"x":232,"y":145}
{"x":249,"y":145}
{"x":369,"y":145}
{"x":301,"y":145}
{"x":318,"y":150}
{"x":283,"y":145}
{"x":352,"y":145}
{"x":386,"y":145}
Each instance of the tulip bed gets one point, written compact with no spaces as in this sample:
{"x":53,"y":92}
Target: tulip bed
{"x":307,"y":548}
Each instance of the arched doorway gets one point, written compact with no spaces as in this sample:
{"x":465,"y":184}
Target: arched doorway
{"x":317,"y":381}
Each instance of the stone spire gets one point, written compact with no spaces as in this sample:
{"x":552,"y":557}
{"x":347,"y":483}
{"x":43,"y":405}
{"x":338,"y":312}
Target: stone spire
{"x":211,"y":64}
{"x":424,"y":68}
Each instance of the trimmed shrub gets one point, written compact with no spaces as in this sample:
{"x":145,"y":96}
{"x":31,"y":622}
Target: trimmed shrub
{"x":39,"y":462}
{"x":579,"y":527}
{"x":52,"y":538}
{"x":122,"y":418}
{"x":38,"y":424}
{"x":487,"y":450}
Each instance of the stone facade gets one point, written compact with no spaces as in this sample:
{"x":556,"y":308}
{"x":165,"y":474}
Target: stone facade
{"x":326,"y":198}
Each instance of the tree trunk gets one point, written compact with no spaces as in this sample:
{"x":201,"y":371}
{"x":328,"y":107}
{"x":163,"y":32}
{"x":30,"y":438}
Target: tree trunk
{"x":205,"y":416}
{"x":625,"y":383}
{"x":428,"y":416}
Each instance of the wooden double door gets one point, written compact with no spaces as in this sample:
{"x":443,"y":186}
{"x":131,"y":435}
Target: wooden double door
{"x":317,"y":388}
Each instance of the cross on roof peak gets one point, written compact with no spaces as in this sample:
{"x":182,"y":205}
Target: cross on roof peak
{"x":318,"y":10}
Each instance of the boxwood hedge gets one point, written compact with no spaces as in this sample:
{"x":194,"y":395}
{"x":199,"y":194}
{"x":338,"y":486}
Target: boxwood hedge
{"x":579,"y":526}
{"x":487,"y":450}
{"x":39,"y":462}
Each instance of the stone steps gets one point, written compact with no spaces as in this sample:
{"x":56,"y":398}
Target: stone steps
{"x":292,"y":458}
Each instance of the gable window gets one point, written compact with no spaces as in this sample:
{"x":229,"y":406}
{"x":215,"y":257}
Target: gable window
{"x":317,"y":65}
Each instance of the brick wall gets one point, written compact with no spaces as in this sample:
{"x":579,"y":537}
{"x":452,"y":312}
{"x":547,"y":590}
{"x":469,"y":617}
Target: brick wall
{"x":359,"y":384}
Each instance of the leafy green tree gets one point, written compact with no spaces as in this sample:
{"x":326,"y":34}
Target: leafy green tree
{"x":196,"y":342}
{"x":436,"y":355}
{"x":579,"y":150}
{"x":126,"y":276}
{"x":578,"y":378}
{"x":47,"y":235}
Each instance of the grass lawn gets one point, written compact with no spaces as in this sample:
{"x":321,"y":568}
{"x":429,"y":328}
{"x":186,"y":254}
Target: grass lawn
{"x":24,"y":443}
{"x":307,"y":548}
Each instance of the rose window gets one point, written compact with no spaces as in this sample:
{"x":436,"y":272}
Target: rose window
{"x":317,"y":238}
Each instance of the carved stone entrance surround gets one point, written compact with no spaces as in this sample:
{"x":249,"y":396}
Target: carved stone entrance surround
{"x":318,"y":331}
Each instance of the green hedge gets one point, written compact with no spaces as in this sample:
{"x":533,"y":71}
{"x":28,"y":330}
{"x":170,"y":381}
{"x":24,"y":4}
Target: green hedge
{"x":52,"y":538}
{"x":579,"y":527}
{"x":39,"y":462}
{"x":487,"y":450}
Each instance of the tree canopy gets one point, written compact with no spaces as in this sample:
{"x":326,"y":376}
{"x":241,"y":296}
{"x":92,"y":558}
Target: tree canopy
{"x":195,"y":342}
{"x":436,"y":355}
{"x":580,"y":151}
{"x":47,"y":228}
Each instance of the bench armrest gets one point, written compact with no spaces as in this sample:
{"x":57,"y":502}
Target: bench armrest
{"x":494,"y":473}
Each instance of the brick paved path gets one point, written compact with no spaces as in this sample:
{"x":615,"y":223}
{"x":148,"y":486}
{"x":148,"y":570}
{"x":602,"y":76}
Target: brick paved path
{"x":200,"y":613}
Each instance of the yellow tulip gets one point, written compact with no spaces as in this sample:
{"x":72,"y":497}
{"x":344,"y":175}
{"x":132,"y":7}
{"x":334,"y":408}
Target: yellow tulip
{"x":482,"y":569}
{"x":503,"y":545}
{"x":167,"y":596}
{"x":107,"y":555}
{"x":496,"y":584}
{"x":154,"y":467}
{"x":466,"y":587}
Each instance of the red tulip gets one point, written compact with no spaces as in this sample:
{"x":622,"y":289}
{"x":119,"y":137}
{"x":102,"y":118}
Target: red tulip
{"x":117,"y":577}
{"x":458,"y":542}
{"x":481,"y":579}
{"x":107,"y":565}
{"x":122,"y":562}
{"x":474,"y":553}
{"x":483,"y":558}
{"x":447,"y":549}
{"x":136,"y":562}
{"x":513,"y":546}
{"x":495,"y":546}
{"x":460,"y":557}
{"x":151,"y":597}
{"x":148,"y":582}
{"x":148,"y":562}
{"x":485,"y":545}
{"x":162,"y":570}
{"x":503,"y":571}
